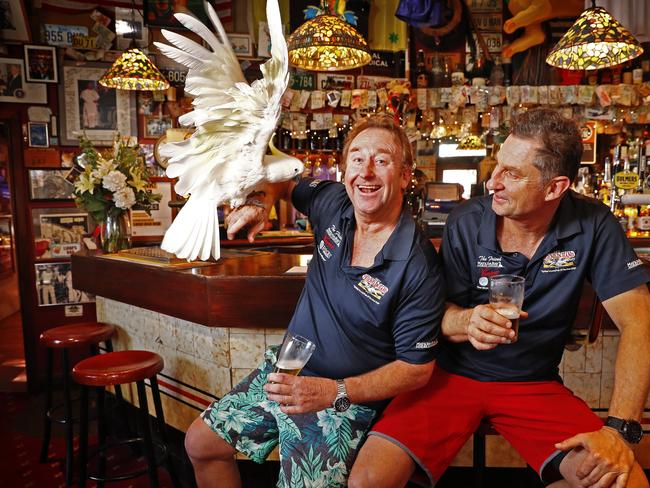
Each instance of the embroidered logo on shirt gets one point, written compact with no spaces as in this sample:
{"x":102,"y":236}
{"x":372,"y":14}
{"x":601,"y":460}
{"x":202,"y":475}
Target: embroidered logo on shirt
{"x":485,"y":277}
{"x":330,"y":241}
{"x":559,"y":261}
{"x":371,"y":287}
{"x":426,"y":345}
{"x":634,"y":264}
{"x":315,"y":183}
{"x":489,"y":262}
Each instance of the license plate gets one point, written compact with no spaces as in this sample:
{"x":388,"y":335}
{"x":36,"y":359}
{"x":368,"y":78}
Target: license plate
{"x":84,"y":42}
{"x":62,"y":35}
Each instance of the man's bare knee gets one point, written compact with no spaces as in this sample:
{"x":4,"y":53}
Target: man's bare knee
{"x":380,"y":464}
{"x":202,"y":444}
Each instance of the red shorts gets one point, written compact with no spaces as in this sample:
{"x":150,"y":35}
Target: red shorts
{"x":434,"y":422}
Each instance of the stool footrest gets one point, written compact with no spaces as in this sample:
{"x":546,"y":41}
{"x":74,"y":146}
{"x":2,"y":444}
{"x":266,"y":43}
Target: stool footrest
{"x":160,"y":458}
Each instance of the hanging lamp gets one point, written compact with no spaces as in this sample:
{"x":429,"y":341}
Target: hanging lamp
{"x":327,"y":43}
{"x":596,"y":40}
{"x":133,"y":70}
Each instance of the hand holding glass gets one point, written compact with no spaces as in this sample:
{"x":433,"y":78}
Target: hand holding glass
{"x":294,"y":354}
{"x":507,"y":297}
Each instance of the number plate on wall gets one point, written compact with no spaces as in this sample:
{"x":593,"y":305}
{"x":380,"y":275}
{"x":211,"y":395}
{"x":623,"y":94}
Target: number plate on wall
{"x":61,"y":35}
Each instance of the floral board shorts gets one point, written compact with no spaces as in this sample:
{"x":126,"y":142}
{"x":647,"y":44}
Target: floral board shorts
{"x":316,"y":449}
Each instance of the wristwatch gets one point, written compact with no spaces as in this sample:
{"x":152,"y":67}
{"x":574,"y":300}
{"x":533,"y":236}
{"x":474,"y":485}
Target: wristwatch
{"x":631,"y":430}
{"x":341,"y":402}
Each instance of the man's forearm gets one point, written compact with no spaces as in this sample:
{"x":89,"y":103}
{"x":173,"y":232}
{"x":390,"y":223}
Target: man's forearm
{"x":388,"y":381}
{"x":455,"y":322}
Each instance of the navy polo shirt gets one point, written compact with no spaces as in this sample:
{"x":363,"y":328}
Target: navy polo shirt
{"x":364,"y":318}
{"x":584,"y":242}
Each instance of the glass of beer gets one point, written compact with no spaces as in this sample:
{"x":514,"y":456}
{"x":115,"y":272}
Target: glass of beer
{"x":294,"y":354}
{"x":507,"y":297}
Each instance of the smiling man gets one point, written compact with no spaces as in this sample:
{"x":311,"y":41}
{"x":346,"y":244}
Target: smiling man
{"x":372,"y":304}
{"x":534,"y":226}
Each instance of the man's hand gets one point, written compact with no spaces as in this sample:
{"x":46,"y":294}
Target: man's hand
{"x":607,"y":459}
{"x":300,"y":394}
{"x":252,"y":217}
{"x":486,"y":329}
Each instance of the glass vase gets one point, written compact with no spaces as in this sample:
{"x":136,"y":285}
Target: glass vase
{"x":116,"y":232}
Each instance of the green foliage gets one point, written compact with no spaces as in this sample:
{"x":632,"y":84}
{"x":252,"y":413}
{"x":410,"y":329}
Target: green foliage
{"x":113,"y":183}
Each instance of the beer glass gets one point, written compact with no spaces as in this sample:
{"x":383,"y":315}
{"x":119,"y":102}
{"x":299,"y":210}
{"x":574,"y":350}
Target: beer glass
{"x":507,"y":297}
{"x":294,"y":354}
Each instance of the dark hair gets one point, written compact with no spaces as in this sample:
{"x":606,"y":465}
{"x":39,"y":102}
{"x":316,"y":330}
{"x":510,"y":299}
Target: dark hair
{"x":559,"y":143}
{"x":381,"y":122}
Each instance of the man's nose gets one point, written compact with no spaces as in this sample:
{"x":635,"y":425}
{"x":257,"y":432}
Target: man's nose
{"x":367,"y":167}
{"x":495,"y":181}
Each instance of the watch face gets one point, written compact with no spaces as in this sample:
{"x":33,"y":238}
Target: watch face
{"x":632,"y":431}
{"x":342,"y":404}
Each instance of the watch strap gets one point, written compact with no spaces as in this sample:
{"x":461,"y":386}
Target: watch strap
{"x":340,"y":389}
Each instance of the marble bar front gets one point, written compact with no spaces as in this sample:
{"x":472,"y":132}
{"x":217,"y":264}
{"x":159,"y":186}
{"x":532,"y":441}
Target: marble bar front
{"x":212,"y":323}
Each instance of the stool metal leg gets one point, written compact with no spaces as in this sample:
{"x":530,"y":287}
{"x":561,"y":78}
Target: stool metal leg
{"x":101,"y":433}
{"x":69,"y":423}
{"x":83,"y":438}
{"x":146,"y":430}
{"x":163,"y":429}
{"x":47,"y":423}
{"x":123,"y":416}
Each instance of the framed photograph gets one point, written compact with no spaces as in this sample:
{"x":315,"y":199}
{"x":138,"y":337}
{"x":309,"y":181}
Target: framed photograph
{"x":13,"y":21}
{"x":241,"y":44}
{"x":54,"y":285}
{"x":50,"y":184}
{"x":58,"y":232}
{"x":92,"y":109}
{"x":38,"y":134}
{"x":129,"y":25}
{"x":156,"y":224}
{"x":156,"y":126}
{"x":14,"y":88}
{"x":40,"y":62}
{"x":160,"y":13}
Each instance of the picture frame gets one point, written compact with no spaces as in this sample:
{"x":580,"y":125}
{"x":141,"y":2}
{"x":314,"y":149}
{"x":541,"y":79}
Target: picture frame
{"x":49,"y":184}
{"x":91,"y":109}
{"x":40,"y":64}
{"x":129,"y":26}
{"x":144,"y":225}
{"x":13,"y":21}
{"x":38,"y":134}
{"x":13,"y":86}
{"x":54,"y":285}
{"x":59,"y":232}
{"x":242,"y":44}
{"x":160,"y":13}
{"x":156,"y":126}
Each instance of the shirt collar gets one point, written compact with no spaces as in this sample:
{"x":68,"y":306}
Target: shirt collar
{"x":564,"y":223}
{"x":398,"y":245}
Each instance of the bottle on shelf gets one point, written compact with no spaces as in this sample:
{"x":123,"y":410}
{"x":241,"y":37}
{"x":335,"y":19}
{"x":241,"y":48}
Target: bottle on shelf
{"x":497,"y":74}
{"x":422,"y":76}
{"x":506,"y":65}
{"x":605,"y":187}
{"x":437,"y":71}
{"x":626,"y":73}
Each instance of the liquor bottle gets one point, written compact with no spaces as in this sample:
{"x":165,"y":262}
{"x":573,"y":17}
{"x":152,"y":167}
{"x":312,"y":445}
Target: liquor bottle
{"x":446,"y":73}
{"x":626,"y":73}
{"x":616,"y":75}
{"x":437,"y":71}
{"x":645,"y":61}
{"x":497,"y":74}
{"x":605,"y":76}
{"x":604,"y":191}
{"x":506,"y":65}
{"x":422,"y":76}
{"x":637,"y":72}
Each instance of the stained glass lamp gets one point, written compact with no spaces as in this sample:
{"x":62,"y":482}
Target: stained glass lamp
{"x":596,"y":40}
{"x":133,"y":70}
{"x":327,"y":43}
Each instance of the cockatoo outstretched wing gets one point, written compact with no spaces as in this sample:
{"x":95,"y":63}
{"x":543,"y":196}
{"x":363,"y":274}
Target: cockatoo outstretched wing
{"x":223,"y":159}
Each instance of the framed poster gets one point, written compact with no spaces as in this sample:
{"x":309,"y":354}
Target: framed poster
{"x":156,"y":126}
{"x":156,"y":224}
{"x":160,"y":13}
{"x":241,"y":44}
{"x":38,"y":134}
{"x":13,"y":21}
{"x":129,"y":25}
{"x":92,"y":109}
{"x":40,"y":62}
{"x":50,"y":184}
{"x":59,"y":232}
{"x":54,"y":285}
{"x":14,"y":88}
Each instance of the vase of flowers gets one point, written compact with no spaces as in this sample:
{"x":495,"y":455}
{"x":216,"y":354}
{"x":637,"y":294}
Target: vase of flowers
{"x":109,"y":186}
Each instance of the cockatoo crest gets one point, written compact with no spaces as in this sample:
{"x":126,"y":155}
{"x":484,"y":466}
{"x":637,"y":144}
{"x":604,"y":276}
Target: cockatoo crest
{"x":224,"y":159}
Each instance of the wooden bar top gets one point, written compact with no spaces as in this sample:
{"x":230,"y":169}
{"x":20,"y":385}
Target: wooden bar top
{"x":243,"y":289}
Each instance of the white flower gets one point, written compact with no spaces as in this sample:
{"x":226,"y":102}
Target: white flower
{"x":114,"y":181}
{"x":103,"y":168}
{"x":124,"y":198}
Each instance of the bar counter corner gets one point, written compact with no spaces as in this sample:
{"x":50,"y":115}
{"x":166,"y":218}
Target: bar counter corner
{"x":211,"y":322}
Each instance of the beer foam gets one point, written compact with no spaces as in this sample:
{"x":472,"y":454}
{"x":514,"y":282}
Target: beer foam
{"x":509,"y":313}
{"x":289,"y":364}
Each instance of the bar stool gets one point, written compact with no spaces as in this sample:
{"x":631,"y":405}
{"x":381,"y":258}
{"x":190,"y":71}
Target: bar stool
{"x":117,"y":368}
{"x":65,"y":337}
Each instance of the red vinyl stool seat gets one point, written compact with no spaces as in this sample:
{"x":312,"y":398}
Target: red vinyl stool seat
{"x":63,"y":338}
{"x":113,"y":369}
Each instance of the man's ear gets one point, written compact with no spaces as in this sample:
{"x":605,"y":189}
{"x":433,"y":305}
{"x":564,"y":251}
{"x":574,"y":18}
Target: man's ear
{"x":557,"y":187}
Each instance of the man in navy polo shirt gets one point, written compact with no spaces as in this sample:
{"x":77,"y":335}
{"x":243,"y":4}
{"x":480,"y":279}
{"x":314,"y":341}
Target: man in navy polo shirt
{"x":372,"y":304}
{"x":534,"y":226}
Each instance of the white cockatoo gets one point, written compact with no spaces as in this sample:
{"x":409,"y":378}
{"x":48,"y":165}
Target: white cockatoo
{"x":225,"y":158}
